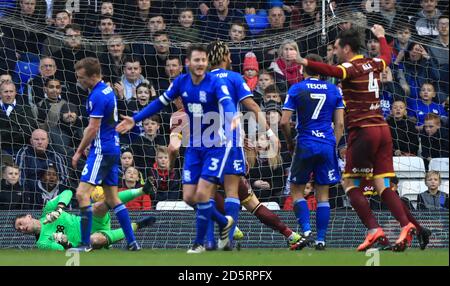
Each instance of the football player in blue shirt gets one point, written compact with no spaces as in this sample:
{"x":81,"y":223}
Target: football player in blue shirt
{"x":203,"y":96}
{"x":220,"y":60}
{"x":102,"y":164}
{"x":318,"y":105}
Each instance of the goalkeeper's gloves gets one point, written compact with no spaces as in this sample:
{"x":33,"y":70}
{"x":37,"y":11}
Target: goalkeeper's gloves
{"x":52,"y":216}
{"x":61,"y":238}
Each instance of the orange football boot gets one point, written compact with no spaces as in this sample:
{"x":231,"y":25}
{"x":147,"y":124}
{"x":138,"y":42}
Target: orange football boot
{"x":406,"y":237}
{"x":371,"y":239}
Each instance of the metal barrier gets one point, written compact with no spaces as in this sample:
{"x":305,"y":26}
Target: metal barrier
{"x":176,"y":229}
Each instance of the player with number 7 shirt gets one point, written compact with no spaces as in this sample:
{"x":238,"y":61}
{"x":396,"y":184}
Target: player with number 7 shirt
{"x":369,"y":153}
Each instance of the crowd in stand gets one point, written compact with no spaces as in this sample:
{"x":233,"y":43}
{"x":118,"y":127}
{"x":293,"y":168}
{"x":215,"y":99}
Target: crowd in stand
{"x":141,"y":48}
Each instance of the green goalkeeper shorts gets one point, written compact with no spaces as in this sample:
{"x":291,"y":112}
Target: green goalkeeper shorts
{"x":101,"y":223}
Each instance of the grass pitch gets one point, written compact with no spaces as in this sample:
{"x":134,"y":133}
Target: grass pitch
{"x":245,"y":257}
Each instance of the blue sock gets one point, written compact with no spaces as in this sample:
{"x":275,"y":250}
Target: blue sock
{"x":124,"y":219}
{"x":302,"y":213}
{"x":232,"y":207}
{"x":322,"y":220}
{"x":204,"y":212}
{"x":86,"y":224}
{"x":218,"y":217}
{"x":210,"y":233}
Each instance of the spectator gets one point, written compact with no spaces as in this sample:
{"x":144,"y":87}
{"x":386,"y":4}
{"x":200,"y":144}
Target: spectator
{"x":272,"y":93}
{"x":145,"y":92}
{"x":106,"y":28}
{"x":138,"y":21}
{"x":113,"y":61}
{"x":91,"y":23}
{"x":434,"y":139}
{"x":131,"y":181}
{"x":36,"y":157}
{"x":304,"y":16}
{"x":419,"y":108}
{"x":35,"y":86}
{"x":173,"y":69}
{"x":433,"y":198}
{"x":68,"y":130}
{"x":439,"y":51}
{"x":265,"y":79}
{"x":130,"y":79}
{"x":251,"y":69}
{"x":27,"y":43}
{"x":49,"y":108}
{"x":54,"y":41}
{"x":219,"y":19}
{"x":186,"y":32}
{"x":416,"y":69}
{"x":390,"y":16}
{"x":308,"y":195}
{"x":277,"y":21}
{"x":156,"y":23}
{"x":16,"y":120}
{"x":373,"y":46}
{"x":405,"y":136}
{"x":166,"y":179}
{"x":144,"y":146}
{"x":425,"y":22}
{"x":286,"y":65}
{"x":237,"y":34}
{"x":401,"y":43}
{"x":155,"y":56}
{"x":273,"y":117}
{"x":266,"y":172}
{"x":8,"y":57}
{"x":390,"y":92}
{"x":126,"y":161}
{"x":47,"y":187}
{"x":72,"y":52}
{"x":12,"y":195}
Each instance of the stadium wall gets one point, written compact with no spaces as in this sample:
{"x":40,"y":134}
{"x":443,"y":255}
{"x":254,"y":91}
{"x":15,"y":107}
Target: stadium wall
{"x":176,"y":229}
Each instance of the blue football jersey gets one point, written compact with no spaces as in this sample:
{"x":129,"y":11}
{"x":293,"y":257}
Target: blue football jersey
{"x":239,"y":90}
{"x":202,"y":104}
{"x":419,"y":110}
{"x":102,"y":104}
{"x":314,"y":101}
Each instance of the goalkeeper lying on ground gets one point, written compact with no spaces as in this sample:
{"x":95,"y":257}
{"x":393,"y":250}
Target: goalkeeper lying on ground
{"x":59,"y":230}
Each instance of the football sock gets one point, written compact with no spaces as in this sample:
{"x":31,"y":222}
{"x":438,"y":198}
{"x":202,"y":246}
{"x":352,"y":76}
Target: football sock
{"x":86,"y":224}
{"x":361,"y":205}
{"x":204,"y":212}
{"x":322,"y":220}
{"x":232,"y":207}
{"x":302,"y":213}
{"x":124,"y":220}
{"x":395,"y":205}
{"x":411,"y":218}
{"x":271,"y":220}
{"x":210,"y":231}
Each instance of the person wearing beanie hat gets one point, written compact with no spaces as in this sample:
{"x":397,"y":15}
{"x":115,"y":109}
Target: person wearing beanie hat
{"x":251,"y":69}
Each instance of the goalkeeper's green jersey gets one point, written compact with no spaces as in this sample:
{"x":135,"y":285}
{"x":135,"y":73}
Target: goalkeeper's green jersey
{"x":67,"y":223}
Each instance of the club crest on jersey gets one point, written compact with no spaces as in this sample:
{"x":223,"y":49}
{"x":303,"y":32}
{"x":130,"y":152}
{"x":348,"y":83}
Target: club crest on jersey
{"x":202,"y":96}
{"x":187,"y":175}
{"x":184,"y":94}
{"x":246,"y":87}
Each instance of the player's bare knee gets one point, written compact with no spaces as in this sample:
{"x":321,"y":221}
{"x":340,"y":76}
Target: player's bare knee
{"x":98,"y":240}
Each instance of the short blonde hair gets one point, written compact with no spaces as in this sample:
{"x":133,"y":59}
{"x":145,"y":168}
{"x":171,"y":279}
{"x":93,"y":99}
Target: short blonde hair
{"x":431,"y":173}
{"x":285,"y":43}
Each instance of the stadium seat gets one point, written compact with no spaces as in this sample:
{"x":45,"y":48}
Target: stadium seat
{"x":441,"y":165}
{"x":409,"y":167}
{"x":408,"y":187}
{"x":273,"y":206}
{"x":173,"y":206}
